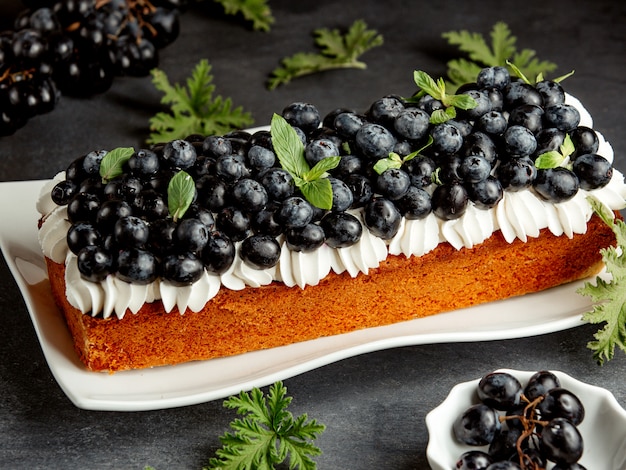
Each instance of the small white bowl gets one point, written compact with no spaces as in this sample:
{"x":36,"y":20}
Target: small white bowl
{"x":603,"y":429}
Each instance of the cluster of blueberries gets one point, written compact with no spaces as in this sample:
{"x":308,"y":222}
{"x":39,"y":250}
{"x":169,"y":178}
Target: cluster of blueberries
{"x":523,"y":427}
{"x":77,"y":47}
{"x":243,"y":194}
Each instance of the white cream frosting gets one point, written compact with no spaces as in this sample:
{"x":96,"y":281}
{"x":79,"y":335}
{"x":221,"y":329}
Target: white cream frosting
{"x":519,"y":215}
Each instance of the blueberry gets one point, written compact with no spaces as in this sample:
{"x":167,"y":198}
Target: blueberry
{"x":302,"y":115}
{"x":191,"y":235}
{"x":204,"y":215}
{"x":429,"y":104}
{"x":129,"y":188}
{"x":564,"y":117}
{"x":385,"y":110}
{"x":212,"y":192}
{"x":347,"y":124}
{"x":478,"y":425}
{"x":585,"y":140}
{"x":361,"y":189}
{"x":496,"y":98}
{"x":152,"y":204}
{"x":136,"y":266}
{"x":393,"y":183}
{"x":249,"y":195}
{"x":527,"y":115}
{"x":261,"y":139}
{"x":82,"y":234}
{"x":556,"y":184}
{"x":374,"y":141}
{"x":217,"y":146}
{"x":593,"y":171}
{"x":234,"y":223}
{"x":329,"y":119}
{"x":182,"y":269}
{"x":412,"y":124}
{"x":144,"y":163}
{"x":294,"y":212}
{"x":486,"y":193}
{"x":518,"y":93}
{"x":449,"y":168}
{"x":110,"y":212}
{"x":382,"y":218}
{"x":219,"y":253}
{"x":63,"y":192}
{"x":305,"y":239}
{"x":161,"y":236}
{"x":483,"y":104}
{"x":230,"y":168}
{"x":179,"y":154}
{"x":348,"y":165}
{"x":83,"y":207}
{"x":549,"y":139}
{"x":342,"y":195}
{"x":497,"y":76}
{"x":551,"y":92}
{"x":480,"y":143}
{"x":493,"y":122}
{"x":519,"y":141}
{"x":449,"y":201}
{"x":259,"y":158}
{"x":341,"y":229}
{"x":317,"y":150}
{"x":94,"y":263}
{"x":264,"y":221}
{"x":91,"y":162}
{"x":474,"y":168}
{"x":260,"y":251}
{"x":420,"y":170}
{"x":278,"y":183}
{"x":415,"y":204}
{"x":447,"y":138}
{"x":131,"y":232}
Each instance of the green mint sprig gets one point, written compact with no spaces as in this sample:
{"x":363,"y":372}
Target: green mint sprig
{"x":180,"y":193}
{"x":312,"y":182}
{"x":337,"y":51}
{"x":437,"y":89}
{"x":516,"y":71}
{"x":609,"y":297}
{"x":396,"y":161}
{"x":113,"y":162}
{"x":555,"y":158}
{"x":267,"y":435}
{"x":256,"y":11}
{"x":193,"y":108}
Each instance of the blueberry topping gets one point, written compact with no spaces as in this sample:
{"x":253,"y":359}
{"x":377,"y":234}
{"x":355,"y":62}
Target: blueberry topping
{"x":305,"y":239}
{"x":341,"y":229}
{"x":382,"y":218}
{"x":260,"y":251}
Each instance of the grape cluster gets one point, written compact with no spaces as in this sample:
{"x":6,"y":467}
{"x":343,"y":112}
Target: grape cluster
{"x":524,"y":427}
{"x":77,"y":47}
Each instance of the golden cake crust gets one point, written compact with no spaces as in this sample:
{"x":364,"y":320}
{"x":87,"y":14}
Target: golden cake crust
{"x":400,"y":289}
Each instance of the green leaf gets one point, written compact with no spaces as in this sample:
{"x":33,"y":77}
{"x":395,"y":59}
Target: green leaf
{"x":550,"y":159}
{"x":427,"y":83}
{"x":437,"y":89}
{"x":256,"y":11}
{"x":113,"y":162}
{"x":442,"y":115}
{"x":180,"y":193}
{"x":567,"y":147}
{"x":193,"y":108}
{"x":267,"y":435}
{"x":288,"y":147}
{"x":318,"y":192}
{"x":395,"y":161}
{"x":321,"y":167}
{"x":462,"y":101}
{"x":336,"y":51}
{"x":480,"y":54}
{"x":609,"y":298}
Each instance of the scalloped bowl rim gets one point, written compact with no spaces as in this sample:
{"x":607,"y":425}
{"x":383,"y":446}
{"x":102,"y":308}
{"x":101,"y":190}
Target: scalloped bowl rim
{"x":603,"y":429}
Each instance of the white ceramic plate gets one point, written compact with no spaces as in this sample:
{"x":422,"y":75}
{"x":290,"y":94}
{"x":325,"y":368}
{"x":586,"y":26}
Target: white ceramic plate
{"x":603,"y":429}
{"x":164,"y":387}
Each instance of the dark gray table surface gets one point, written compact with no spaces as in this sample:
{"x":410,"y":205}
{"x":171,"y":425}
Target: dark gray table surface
{"x":374,"y":404}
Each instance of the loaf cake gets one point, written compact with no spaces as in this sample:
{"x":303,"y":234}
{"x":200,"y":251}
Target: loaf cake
{"x":207,"y":247}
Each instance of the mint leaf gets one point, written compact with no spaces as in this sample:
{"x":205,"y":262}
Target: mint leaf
{"x":313,"y":183}
{"x":425,"y":82}
{"x":567,"y":147}
{"x":550,"y":159}
{"x":437,"y":89}
{"x":180,"y":193}
{"x":321,"y":167}
{"x":113,"y":162}
{"x":395,"y":161}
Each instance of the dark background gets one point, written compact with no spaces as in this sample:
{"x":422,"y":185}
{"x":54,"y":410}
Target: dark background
{"x":373,"y":405}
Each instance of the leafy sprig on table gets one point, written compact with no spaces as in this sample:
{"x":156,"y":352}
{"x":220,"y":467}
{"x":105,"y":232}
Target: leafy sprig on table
{"x":337,"y":51}
{"x":480,"y":54}
{"x":312,"y":182}
{"x":193,"y":108}
{"x":609,"y":297}
{"x":256,"y":11}
{"x":267,"y":435}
